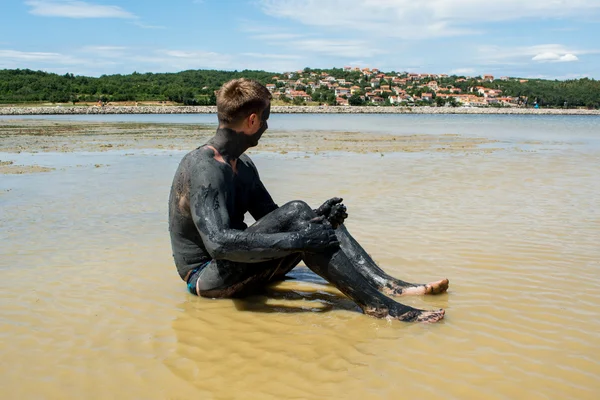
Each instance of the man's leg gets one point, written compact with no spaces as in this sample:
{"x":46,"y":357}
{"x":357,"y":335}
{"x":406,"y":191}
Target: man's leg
{"x":333,"y":265}
{"x":225,"y":279}
{"x":377,"y":277}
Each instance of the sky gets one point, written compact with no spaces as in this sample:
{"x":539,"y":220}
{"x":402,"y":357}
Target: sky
{"x":551,"y":39}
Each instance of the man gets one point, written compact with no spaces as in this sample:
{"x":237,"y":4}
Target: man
{"x":219,"y":256}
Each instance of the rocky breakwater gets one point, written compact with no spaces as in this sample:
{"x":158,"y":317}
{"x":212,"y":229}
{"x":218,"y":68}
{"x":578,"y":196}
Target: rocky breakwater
{"x":65,"y":110}
{"x":427,"y":110}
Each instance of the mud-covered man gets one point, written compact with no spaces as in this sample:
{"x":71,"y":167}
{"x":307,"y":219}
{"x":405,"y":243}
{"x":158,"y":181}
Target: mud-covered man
{"x":218,"y":256}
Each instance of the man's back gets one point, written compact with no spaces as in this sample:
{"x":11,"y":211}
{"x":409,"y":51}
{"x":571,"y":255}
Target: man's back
{"x":243,"y":191}
{"x":188,"y":250}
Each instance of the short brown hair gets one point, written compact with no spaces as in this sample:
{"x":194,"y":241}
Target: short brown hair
{"x":239,"y":98}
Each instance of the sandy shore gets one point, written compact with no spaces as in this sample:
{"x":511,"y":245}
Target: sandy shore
{"x":61,"y":110}
{"x":92,"y":303}
{"x":8,"y":167}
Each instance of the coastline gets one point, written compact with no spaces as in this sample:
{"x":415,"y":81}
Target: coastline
{"x":79,"y":110}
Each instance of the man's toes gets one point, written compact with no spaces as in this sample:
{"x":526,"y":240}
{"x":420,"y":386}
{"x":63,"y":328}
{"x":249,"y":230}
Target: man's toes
{"x":431,"y":316}
{"x":437,"y":287}
{"x":444,"y":285}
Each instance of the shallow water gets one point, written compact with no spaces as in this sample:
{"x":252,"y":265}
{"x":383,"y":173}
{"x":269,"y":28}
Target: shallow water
{"x":91,"y":304}
{"x":574,"y":129}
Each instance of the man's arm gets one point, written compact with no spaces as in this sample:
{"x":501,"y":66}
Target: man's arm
{"x":261,"y":202}
{"x":209,"y":213}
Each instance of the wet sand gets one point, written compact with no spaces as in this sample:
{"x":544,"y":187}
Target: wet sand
{"x":67,"y":136}
{"x":91,"y":304}
{"x":8,"y":167}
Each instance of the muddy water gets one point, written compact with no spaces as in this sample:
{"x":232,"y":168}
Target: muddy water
{"x":92,"y":307}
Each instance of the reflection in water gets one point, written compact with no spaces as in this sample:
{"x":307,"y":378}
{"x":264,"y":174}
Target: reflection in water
{"x":91,"y":304}
{"x":273,"y":345}
{"x":282,"y":298}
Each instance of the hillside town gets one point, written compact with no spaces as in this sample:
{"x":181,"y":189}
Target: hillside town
{"x":370,"y":86}
{"x":348,"y":86}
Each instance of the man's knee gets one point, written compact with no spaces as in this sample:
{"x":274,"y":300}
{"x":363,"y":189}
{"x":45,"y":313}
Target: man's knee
{"x":300,"y":210}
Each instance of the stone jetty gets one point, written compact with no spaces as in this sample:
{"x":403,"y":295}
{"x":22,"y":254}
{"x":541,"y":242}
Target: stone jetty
{"x":74,"y":110}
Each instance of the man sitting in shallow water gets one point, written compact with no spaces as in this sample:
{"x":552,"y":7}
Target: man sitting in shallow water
{"x":218,"y":255}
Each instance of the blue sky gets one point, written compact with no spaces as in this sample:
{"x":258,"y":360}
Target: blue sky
{"x":557,"y":39}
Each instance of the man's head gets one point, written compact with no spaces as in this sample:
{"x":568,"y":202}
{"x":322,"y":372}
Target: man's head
{"x":244,"y":105}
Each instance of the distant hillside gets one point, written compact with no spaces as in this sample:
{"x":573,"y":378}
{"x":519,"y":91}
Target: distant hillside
{"x":196,"y":87}
{"x":193,"y":87}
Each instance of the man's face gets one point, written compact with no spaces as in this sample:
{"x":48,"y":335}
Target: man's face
{"x":255,"y":137}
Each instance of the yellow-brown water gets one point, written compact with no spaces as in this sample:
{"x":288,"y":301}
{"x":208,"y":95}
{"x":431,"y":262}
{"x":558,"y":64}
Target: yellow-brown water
{"x":92,"y":307}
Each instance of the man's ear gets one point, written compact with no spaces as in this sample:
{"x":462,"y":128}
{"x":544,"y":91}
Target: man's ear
{"x":252,"y":120}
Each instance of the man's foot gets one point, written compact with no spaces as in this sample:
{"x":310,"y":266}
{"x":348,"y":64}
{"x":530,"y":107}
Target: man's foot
{"x":413,"y":315}
{"x":427,"y":316}
{"x":437,"y":287}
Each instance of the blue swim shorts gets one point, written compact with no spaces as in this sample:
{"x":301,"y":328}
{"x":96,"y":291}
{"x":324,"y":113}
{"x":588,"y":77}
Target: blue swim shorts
{"x":193,"y":278}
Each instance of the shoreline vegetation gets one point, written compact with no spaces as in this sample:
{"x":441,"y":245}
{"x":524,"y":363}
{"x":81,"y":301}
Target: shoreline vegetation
{"x":371,"y":88}
{"x":107,"y":110}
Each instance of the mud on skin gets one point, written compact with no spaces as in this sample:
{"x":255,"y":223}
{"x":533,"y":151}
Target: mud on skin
{"x":216,"y":184}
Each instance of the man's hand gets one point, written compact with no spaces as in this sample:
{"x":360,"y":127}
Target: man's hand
{"x":338,"y":215}
{"x":325,"y":208}
{"x":334,"y":211}
{"x":318,"y":235}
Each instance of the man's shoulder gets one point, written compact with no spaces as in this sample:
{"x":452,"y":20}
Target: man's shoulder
{"x":202,"y":151}
{"x":245,"y":159}
{"x":200,"y":154}
{"x":201,"y":162}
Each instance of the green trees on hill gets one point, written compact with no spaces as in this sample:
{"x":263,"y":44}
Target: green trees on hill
{"x":574,"y":93}
{"x":187,"y":87}
{"x":583,"y":92}
{"x":324,"y":96}
{"x":197,"y":87}
{"x":356,"y":100}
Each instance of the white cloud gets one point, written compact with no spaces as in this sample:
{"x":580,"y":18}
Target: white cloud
{"x":277,"y":36}
{"x":546,"y":57}
{"x":105,"y":51}
{"x":33,"y":56}
{"x":76,"y":9}
{"x":21,"y":55}
{"x":462,"y":71}
{"x":339,"y":48}
{"x":309,"y":42}
{"x":173,"y":60}
{"x":568,"y":58}
{"x":554,"y":57}
{"x":562,"y":77}
{"x":329,"y":47}
{"x":107,"y":59}
{"x":47,"y":61}
{"x":420,"y":19}
{"x":523,"y":54}
{"x":100,"y":55}
{"x":191,"y":54}
{"x":146,"y":26}
{"x":273,"y":56}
